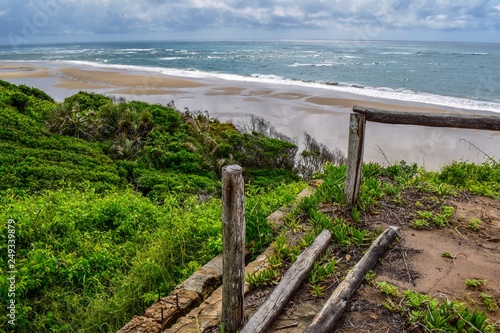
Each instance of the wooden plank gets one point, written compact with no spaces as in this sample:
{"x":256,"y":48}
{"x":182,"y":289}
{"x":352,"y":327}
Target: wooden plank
{"x":233,"y":248}
{"x":333,"y":309}
{"x":480,"y":122}
{"x":290,"y":282}
{"x":355,"y":157}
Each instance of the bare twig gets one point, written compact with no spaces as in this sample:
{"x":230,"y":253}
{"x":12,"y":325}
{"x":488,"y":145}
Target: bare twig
{"x":468,"y":322}
{"x":287,"y":326}
{"x":479,"y":150}
{"x":403,"y":254}
{"x":383,"y":154}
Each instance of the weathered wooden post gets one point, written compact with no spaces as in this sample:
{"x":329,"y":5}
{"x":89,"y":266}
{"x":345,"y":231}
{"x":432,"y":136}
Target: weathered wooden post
{"x":357,"y":126}
{"x":233,"y":248}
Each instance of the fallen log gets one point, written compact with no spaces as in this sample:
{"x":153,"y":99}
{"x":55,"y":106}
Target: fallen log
{"x":292,"y":279}
{"x":333,"y":309}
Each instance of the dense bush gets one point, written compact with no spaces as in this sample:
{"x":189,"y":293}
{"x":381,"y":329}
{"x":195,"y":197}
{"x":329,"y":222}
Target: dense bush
{"x":482,"y":179}
{"x":113,"y":201}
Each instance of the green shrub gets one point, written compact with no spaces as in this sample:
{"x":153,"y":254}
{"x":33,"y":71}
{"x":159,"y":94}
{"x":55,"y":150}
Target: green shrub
{"x":483,"y":179}
{"x":87,"y":101}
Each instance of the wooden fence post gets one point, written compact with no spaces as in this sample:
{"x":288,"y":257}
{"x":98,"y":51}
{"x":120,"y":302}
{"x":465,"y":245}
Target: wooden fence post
{"x":233,"y":248}
{"x":357,"y":126}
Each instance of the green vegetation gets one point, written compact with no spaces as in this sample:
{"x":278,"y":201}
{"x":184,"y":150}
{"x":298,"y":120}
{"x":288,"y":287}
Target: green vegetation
{"x":322,"y":271}
{"x":489,"y":302}
{"x":433,"y":314}
{"x":114,"y":202}
{"x":397,"y":186}
{"x":265,"y":277}
{"x":387,"y":289}
{"x":475,"y":283}
{"x":475,"y":224}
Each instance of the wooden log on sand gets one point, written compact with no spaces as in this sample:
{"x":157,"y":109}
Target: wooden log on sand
{"x":333,"y":309}
{"x":292,"y":279}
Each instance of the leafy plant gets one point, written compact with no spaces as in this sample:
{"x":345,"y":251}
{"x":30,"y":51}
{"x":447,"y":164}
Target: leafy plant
{"x":475,"y":224}
{"x":443,"y":218}
{"x":360,"y":237}
{"x":308,"y":238}
{"x":267,"y":276}
{"x":488,"y":302}
{"x":452,"y":317}
{"x":281,"y":247}
{"x":414,"y":299}
{"x":420,"y":224}
{"x":317,"y":290}
{"x":274,"y":261}
{"x":387,"y":289}
{"x":356,"y":215}
{"x":370,"y":276}
{"x":322,"y":272}
{"x":475,"y":283}
{"x":447,"y":255}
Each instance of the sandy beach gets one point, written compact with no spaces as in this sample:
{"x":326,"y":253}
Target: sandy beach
{"x":292,"y":109}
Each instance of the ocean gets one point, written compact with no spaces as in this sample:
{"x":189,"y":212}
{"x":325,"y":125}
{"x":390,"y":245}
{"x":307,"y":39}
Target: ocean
{"x":457,"y":75}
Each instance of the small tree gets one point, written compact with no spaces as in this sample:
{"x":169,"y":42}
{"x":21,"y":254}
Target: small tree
{"x":315,"y":155}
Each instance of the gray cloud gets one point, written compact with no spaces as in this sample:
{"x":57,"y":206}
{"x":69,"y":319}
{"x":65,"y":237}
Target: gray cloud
{"x":27,"y":20}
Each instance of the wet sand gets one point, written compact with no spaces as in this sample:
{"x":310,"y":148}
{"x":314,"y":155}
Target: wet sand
{"x":293,"y":110}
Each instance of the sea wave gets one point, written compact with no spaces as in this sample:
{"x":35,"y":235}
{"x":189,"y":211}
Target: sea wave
{"x":138,"y":50}
{"x":172,"y":58}
{"x":397,"y":53}
{"x":297,"y":64}
{"x":401,"y":94}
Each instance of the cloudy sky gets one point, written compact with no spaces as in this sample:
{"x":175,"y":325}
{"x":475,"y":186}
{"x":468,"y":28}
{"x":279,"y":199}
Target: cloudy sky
{"x":33,"y":21}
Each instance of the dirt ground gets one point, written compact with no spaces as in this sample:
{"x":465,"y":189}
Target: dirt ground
{"x":414,"y":262}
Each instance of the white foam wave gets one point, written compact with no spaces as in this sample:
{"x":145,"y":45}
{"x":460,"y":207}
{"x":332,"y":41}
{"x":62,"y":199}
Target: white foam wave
{"x":72,"y":51}
{"x":267,"y":77}
{"x":297,"y":64}
{"x":377,"y":92}
{"x":137,"y":50}
{"x":186,"y":52}
{"x":397,"y":53}
{"x":172,"y":58}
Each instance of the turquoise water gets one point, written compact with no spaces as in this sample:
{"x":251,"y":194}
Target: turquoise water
{"x":463,"y":75}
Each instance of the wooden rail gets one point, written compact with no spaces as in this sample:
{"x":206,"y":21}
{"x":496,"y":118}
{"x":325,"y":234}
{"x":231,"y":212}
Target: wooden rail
{"x":432,"y":119}
{"x":362,"y":114}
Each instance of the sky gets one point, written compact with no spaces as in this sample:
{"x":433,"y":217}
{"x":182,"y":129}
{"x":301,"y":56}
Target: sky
{"x":42,"y":21}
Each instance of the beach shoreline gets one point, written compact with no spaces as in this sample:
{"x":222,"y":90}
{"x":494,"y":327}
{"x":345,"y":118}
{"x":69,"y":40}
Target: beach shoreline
{"x":293,"y":110}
